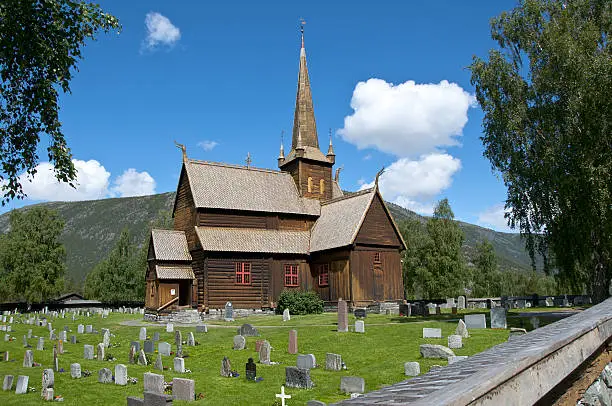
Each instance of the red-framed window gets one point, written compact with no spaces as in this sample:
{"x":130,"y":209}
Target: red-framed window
{"x":243,"y":273}
{"x":323,"y":275}
{"x":377,"y":257}
{"x":291,"y":275}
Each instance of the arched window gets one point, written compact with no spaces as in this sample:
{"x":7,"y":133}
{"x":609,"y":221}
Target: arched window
{"x":310,"y":184}
{"x":322,"y":186}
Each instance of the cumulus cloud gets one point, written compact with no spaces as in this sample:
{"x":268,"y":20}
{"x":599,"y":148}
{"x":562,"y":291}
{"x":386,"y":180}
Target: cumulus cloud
{"x":207,"y":145}
{"x":91,"y":183}
{"x":160,"y":31}
{"x":408,"y":119}
{"x":493,"y":217}
{"x":409,"y":182}
{"x":133,"y":183}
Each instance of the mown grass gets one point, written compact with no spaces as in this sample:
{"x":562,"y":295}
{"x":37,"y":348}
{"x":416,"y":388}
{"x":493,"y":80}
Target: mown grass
{"x":377,"y":356}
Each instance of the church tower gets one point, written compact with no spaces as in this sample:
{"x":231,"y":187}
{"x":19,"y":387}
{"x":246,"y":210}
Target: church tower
{"x":311,"y":170}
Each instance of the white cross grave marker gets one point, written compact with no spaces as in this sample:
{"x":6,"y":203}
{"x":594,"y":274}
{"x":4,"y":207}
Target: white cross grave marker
{"x":282,"y":395}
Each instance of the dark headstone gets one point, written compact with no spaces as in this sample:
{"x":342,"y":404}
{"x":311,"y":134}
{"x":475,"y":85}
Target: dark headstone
{"x":136,"y":344}
{"x":247,"y":330}
{"x":226,"y":368}
{"x":156,"y":336}
{"x":156,"y":399}
{"x":360,"y":313}
{"x":134,"y":401}
{"x":149,"y":347}
{"x":251,"y":370}
{"x":405,"y":310}
{"x":298,"y":378}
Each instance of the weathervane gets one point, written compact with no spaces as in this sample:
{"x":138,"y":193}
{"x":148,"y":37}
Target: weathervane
{"x":248,"y":160}
{"x":302,"y":24}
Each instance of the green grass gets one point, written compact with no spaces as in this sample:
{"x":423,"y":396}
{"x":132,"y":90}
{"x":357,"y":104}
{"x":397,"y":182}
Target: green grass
{"x":377,"y":356}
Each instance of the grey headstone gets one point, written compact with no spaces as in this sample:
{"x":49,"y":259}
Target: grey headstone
{"x":142,"y":358}
{"x":297,"y":378}
{"x":40,"y":345}
{"x":29,"y":333}
{"x":106,"y":337}
{"x":143,"y":334}
{"x":226,"y":367}
{"x":239,"y":342}
{"x":157,"y":399}
{"x":183,"y":389}
{"x":28,"y":359}
{"x":164,"y":348}
{"x":159,"y":365}
{"x":25,"y":341}
{"x":202,"y":328}
{"x":7,"y":385}
{"x":462,"y":330}
{"x":190,"y":339}
{"x":63,"y":336}
{"x":228,"y":314}
{"x":286,"y":315}
{"x":498,"y":317}
{"x":89,"y":329}
{"x":100,"y":352}
{"x":153,"y":383}
{"x":307,"y":361}
{"x":264,"y":353}
{"x":333,"y":362}
{"x":359,"y":326}
{"x":342,"y":316}
{"x":169,"y":328}
{"x":179,"y":365}
{"x":88,"y":351}
{"x":149,"y":347}
{"x":73,"y":339}
{"x":412,"y":368}
{"x":135,"y":401}
{"x":455,"y":341}
{"x":105,"y":375}
{"x":156,"y":336}
{"x":432,"y":333}
{"x":22,"y":385}
{"x":352,"y":384}
{"x":48,"y":380}
{"x":461,"y":302}
{"x":435,"y":351}
{"x":247,"y":330}
{"x":136,"y":345}
{"x":121,"y":375}
{"x":475,"y":321}
{"x":178,"y":338}
{"x":75,"y":370}
{"x":47,"y":394}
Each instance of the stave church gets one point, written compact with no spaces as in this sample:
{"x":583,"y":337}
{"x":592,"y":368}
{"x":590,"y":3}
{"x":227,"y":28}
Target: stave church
{"x":245,"y":234}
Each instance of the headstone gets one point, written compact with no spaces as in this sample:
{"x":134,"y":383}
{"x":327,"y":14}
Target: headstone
{"x":149,"y":346}
{"x":29,"y":333}
{"x":7,"y":337}
{"x":251,"y":370}
{"x":298,"y":378}
{"x":28,"y":359}
{"x":48,"y":379}
{"x":132,"y":355}
{"x":63,"y":336}
{"x":520,"y":303}
{"x":73,"y":339}
{"x":435,"y":351}
{"x":239,"y":342}
{"x":75,"y":371}
{"x":264,"y":353}
{"x":60,"y":347}
{"x":359,"y":326}
{"x":183,"y":389}
{"x":164,"y":348}
{"x":498,"y":317}
{"x":431,"y":309}
{"x":462,"y":330}
{"x":178,"y":338}
{"x":475,"y":321}
{"x":100,"y":352}
{"x":228,"y":314}
{"x":88,"y":351}
{"x":286,"y":315}
{"x":89,"y":329}
{"x":455,"y":341}
{"x":412,"y":368}
{"x":342,"y":316}
{"x":248,"y":330}
{"x":22,"y":385}
{"x":202,"y":328}
{"x":307,"y":361}
{"x":169,"y":328}
{"x":40,"y":346}
{"x":551,"y":303}
{"x":156,"y":336}
{"x":143,"y":334}
{"x":190,"y":339}
{"x":136,"y":345}
{"x":226,"y":368}
{"x":55,"y":361}
{"x":6,"y":356}
{"x":461,"y":302}
{"x":535,"y":322}
{"x":456,"y":358}
{"x":405,"y":310}
{"x":48,"y":395}
{"x":333,"y":362}
{"x":157,"y":399}
{"x":153,"y":383}
{"x":293,"y":344}
{"x":360,"y":313}
{"x":142,"y":358}
{"x":121,"y":376}
{"x":432,"y":333}
{"x":352,"y":384}
{"x":179,"y":365}
{"x":7,"y":385}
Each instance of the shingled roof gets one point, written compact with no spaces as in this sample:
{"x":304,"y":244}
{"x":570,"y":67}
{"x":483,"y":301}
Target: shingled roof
{"x":223,"y":239}
{"x":174,"y":272}
{"x":233,"y":187}
{"x":170,"y":245}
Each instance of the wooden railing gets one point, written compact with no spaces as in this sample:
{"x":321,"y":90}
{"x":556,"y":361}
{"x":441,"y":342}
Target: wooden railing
{"x":168,"y":304}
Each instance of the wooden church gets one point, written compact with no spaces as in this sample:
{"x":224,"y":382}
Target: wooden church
{"x":245,"y":234}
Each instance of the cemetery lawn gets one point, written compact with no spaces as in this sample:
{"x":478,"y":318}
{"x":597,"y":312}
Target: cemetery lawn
{"x":378,"y":356}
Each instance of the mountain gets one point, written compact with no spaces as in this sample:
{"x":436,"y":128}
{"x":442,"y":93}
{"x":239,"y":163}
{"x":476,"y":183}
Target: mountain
{"x":92,"y":227}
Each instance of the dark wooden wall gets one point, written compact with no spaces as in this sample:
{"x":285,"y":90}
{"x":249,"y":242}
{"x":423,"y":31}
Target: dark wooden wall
{"x":372,"y":281}
{"x":339,"y":275}
{"x":301,"y":169}
{"x":277,"y":275}
{"x":184,"y":210}
{"x":269,"y":221}
{"x":377,"y":228}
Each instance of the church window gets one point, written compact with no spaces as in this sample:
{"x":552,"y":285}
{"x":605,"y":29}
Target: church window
{"x":310,"y":184}
{"x":243,"y":273}
{"x":291,"y":275}
{"x":323,"y":275}
{"x":377,"y":257}
{"x":321,"y":186}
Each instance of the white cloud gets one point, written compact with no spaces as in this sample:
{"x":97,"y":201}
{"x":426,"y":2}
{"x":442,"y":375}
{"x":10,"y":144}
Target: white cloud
{"x":160,"y":31}
{"x":133,"y":183}
{"x":91,"y":183}
{"x":493,"y":217}
{"x":207,"y":145}
{"x":408,"y":182}
{"x":367,"y":157}
{"x":408,"y":119}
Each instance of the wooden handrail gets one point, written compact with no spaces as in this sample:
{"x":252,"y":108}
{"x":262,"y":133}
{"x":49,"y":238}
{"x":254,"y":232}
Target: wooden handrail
{"x":168,"y":304}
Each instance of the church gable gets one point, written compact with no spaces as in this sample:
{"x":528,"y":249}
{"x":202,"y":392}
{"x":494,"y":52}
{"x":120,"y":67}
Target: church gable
{"x":378,"y":228}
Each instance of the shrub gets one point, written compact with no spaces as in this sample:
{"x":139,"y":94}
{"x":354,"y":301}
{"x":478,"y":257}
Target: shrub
{"x":299,"y":302}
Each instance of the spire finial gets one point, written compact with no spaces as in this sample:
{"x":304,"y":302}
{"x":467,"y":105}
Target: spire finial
{"x":182,"y":148}
{"x":248,"y":160}
{"x":299,"y":140}
{"x":282,"y":146}
{"x":330,"y":150}
{"x":302,"y":24}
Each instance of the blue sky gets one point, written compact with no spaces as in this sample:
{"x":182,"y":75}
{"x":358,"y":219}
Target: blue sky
{"x":388,"y":77}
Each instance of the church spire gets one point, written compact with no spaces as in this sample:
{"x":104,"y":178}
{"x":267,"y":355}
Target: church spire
{"x":304,"y":121}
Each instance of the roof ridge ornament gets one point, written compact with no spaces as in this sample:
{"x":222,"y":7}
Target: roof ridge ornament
{"x":182,"y":148}
{"x":378,"y":175}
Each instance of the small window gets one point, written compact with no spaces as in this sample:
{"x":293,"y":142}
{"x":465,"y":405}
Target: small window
{"x":309,"y":184}
{"x":291,"y":275}
{"x":377,"y":257}
{"x":322,"y":186}
{"x":323,"y":275}
{"x":243,"y":273}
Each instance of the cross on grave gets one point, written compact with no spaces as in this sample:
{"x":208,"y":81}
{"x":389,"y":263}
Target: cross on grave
{"x":282,"y":395}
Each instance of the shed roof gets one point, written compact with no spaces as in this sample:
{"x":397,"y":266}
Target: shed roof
{"x":170,"y":245}
{"x":253,"y":240}
{"x":174,"y":272}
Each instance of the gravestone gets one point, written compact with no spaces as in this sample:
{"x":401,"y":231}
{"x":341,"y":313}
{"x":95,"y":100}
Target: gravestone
{"x":142,"y":358}
{"x":100,"y":352}
{"x":435,"y":351}
{"x":412,"y":368}
{"x":106,"y":338}
{"x":143,"y":334}
{"x":136,"y":345}
{"x":149,"y":346}
{"x":48,"y":395}
{"x":73,"y":339}
{"x":456,"y":358}
{"x":178,"y":338}
{"x":28,"y":359}
{"x":202,"y":329}
{"x":55,"y":361}
{"x":247,"y":330}
{"x":264,"y":353}
{"x":359,"y":326}
{"x":333,"y":362}
{"x":475,"y":321}
{"x":29,"y":333}
{"x":190,"y":339}
{"x":258,"y":345}
{"x":461,"y":302}
{"x":153,"y":383}
{"x":405,"y":310}
{"x":455,"y":341}
{"x":342,"y":316}
{"x":286,"y":315}
{"x":156,"y":399}
{"x":132,"y":355}
{"x":226,"y":368}
{"x":88,"y":351}
{"x":352,"y":384}
{"x":521,"y":303}
{"x":498,"y":317}
{"x":63,"y":336}
{"x":48,"y":379}
{"x":307,"y":361}
{"x":431,"y":309}
{"x":7,"y":385}
{"x":169,"y":328}
{"x":60,"y":347}
{"x":75,"y":371}
{"x":239,"y":342}
{"x":22,"y":385}
{"x":228,"y":314}
{"x":52,"y":336}
{"x":6,"y":356}
{"x":89,"y":329}
{"x":360,"y":313}
{"x":183,"y":389}
{"x":298,"y":378}
{"x":156,"y":336}
{"x":121,"y":376}
{"x":293,"y":344}
{"x":550,"y":302}
{"x":7,"y":337}
{"x":158,"y":365}
{"x":179,"y":365}
{"x":250,"y":370}
{"x":164,"y":348}
{"x":462,"y":330}
{"x":40,"y":345}
{"x":432,"y":333}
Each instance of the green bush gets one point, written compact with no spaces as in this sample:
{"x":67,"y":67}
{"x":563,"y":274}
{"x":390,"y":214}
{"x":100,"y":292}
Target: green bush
{"x":299,"y":302}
